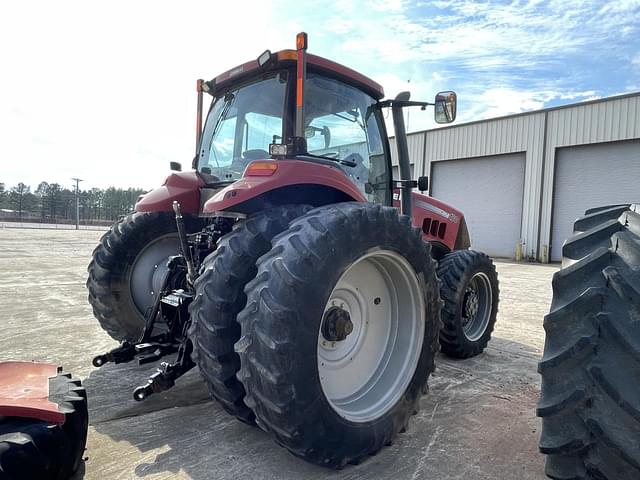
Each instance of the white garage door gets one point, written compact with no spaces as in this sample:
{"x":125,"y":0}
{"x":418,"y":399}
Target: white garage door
{"x":590,"y":176}
{"x":489,"y":192}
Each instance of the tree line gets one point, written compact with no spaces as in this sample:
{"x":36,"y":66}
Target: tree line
{"x":53,"y":203}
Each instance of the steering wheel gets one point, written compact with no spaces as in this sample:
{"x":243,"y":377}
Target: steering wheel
{"x":359,"y":173}
{"x":255,"y":154}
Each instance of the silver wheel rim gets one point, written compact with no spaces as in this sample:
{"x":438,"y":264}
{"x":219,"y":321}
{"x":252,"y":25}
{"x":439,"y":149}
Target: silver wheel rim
{"x":476,"y":307}
{"x":148,"y":270}
{"x":365,"y":374}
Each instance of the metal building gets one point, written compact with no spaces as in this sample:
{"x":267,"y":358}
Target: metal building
{"x":521,"y":180}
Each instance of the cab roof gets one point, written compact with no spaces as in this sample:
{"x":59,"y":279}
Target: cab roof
{"x":285,"y":58}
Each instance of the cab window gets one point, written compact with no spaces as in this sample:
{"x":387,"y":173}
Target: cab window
{"x":343,"y":123}
{"x":241,"y":124}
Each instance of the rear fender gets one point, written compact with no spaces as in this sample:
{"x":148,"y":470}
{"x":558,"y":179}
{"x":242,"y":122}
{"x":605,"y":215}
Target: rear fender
{"x":292,"y":181}
{"x":183,"y":187}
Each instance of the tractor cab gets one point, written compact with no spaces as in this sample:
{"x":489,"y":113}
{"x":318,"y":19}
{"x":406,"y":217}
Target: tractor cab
{"x":317,"y":129}
{"x":254,"y":107}
{"x":291,"y":127}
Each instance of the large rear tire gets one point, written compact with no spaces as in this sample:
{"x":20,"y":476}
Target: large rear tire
{"x":590,"y":400}
{"x":339,"y":332}
{"x":34,"y":449}
{"x":470,"y":292}
{"x":127,"y":268}
{"x":219,"y":296}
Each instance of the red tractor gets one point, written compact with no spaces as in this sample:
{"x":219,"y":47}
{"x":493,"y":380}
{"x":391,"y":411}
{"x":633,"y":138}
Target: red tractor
{"x":310,"y":287}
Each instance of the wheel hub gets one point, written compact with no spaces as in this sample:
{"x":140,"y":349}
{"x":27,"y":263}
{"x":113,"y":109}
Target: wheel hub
{"x":477,"y":306}
{"x":336,"y":325}
{"x":149,"y":269}
{"x":471,"y":304}
{"x":370,"y":337}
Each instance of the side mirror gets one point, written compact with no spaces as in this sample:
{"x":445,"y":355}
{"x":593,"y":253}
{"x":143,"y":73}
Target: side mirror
{"x":175,"y":166}
{"x":423,"y":184}
{"x":445,"y":110}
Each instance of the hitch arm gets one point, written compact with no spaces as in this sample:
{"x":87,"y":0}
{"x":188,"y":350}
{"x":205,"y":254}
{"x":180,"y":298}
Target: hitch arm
{"x":184,"y":244}
{"x":166,"y":376}
{"x":127,"y":351}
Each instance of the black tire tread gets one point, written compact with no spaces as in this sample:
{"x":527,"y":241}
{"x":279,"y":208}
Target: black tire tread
{"x":582,"y":243}
{"x":590,"y":368}
{"x":452,"y":272}
{"x":601,"y":208}
{"x":595,"y":217}
{"x":220,"y":296}
{"x":108,"y":295}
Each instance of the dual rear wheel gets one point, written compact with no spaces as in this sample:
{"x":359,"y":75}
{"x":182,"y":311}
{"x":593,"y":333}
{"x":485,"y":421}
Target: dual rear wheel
{"x":356,"y":285}
{"x":352,"y":283}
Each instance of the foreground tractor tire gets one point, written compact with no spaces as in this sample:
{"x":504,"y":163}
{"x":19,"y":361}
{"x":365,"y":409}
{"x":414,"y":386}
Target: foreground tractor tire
{"x":590,"y":399}
{"x":220,"y":296}
{"x":470,"y":292}
{"x":127,"y":269}
{"x":339,"y":332}
{"x":34,"y":449}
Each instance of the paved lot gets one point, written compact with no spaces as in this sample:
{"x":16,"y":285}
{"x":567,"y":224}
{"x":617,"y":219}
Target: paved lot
{"x":478,"y":421}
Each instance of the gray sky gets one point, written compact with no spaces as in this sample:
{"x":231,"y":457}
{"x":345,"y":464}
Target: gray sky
{"x":106,"y":90}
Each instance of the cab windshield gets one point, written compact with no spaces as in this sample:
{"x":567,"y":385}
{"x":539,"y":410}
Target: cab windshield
{"x":342,"y":124}
{"x":240,"y":126}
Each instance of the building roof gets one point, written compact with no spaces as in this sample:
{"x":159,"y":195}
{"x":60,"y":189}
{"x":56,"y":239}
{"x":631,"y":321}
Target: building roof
{"x":534,"y":112}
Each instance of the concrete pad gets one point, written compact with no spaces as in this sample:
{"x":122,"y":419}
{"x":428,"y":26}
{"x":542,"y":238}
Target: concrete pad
{"x":478,"y":420}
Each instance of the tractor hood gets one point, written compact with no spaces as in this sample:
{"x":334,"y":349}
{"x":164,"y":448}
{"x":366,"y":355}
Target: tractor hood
{"x":264,"y":177}
{"x":183,"y":187}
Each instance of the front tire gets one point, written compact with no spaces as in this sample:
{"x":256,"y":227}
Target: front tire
{"x":470,"y":292}
{"x":323,"y":389}
{"x":127,"y":268}
{"x":589,"y":401}
{"x":219,"y":296}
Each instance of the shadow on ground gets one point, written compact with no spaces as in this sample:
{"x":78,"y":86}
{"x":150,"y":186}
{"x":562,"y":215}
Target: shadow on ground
{"x":478,"y":421}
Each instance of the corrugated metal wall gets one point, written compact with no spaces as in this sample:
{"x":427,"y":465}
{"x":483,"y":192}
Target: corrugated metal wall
{"x":523,"y":133}
{"x":606,"y":121}
{"x":537,"y":134}
{"x":591,"y":175}
{"x":415,"y":145}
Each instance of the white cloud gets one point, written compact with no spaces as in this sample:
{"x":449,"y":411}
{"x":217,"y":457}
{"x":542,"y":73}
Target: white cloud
{"x":502,"y":101}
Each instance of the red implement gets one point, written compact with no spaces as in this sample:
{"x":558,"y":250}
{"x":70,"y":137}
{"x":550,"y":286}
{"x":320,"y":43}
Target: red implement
{"x":24,"y":391}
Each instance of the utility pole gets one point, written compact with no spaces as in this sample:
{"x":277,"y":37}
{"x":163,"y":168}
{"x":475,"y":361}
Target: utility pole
{"x":77,"y":180}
